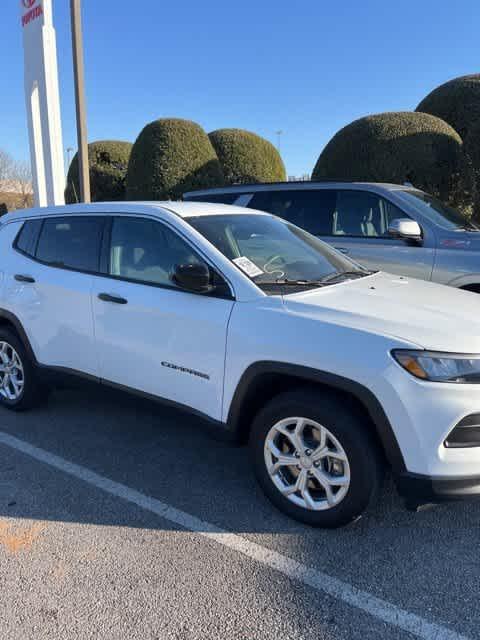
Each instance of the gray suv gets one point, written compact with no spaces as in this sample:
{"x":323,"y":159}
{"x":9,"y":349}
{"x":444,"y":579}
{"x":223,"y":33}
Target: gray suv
{"x":391,"y":227}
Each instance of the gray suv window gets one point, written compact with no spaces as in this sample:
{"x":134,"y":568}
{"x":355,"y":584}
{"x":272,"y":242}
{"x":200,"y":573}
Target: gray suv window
{"x":363,"y":214}
{"x":311,"y":210}
{"x":331,"y":212}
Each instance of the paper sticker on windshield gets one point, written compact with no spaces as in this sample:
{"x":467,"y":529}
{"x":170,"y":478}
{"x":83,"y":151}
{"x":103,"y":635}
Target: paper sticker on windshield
{"x":248,"y":266}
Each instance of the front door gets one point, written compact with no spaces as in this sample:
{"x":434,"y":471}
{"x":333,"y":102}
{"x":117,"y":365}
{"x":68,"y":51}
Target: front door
{"x":151,"y":335}
{"x":360,"y":230}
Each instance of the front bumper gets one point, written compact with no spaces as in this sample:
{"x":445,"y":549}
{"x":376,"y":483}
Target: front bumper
{"x":418,"y":489}
{"x":423,"y":416}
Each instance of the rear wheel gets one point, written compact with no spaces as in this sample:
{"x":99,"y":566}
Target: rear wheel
{"x":20,"y":388}
{"x":314,"y":458}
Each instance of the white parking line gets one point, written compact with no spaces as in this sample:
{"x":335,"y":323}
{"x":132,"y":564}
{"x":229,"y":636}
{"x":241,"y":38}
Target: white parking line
{"x":380,"y":609}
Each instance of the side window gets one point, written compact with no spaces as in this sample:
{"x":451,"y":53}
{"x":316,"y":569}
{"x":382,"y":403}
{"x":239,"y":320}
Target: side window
{"x":392,"y":212}
{"x":313,"y":210}
{"x":26,"y":240}
{"x":358,"y":214}
{"x":72,"y":242}
{"x":363,"y":214}
{"x":147,"y":251}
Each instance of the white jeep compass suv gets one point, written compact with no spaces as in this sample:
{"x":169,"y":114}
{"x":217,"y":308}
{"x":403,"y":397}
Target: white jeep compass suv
{"x":330,"y":371}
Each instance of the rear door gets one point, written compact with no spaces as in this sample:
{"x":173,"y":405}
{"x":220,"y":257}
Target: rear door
{"x":48,"y":287}
{"x":151,"y":335}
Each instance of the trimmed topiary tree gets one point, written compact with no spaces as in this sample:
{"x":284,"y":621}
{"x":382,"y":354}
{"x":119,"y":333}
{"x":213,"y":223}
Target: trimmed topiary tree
{"x":246,"y":157}
{"x":472,"y":152}
{"x":108,"y":160}
{"x":398,"y":147}
{"x":169,"y":157}
{"x":457,"y":102}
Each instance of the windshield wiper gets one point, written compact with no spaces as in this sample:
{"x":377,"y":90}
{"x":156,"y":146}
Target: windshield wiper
{"x":346,"y":274}
{"x":303,"y":282}
{"x":287,"y":282}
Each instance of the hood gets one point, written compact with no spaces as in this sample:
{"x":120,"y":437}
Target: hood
{"x":431,"y":316}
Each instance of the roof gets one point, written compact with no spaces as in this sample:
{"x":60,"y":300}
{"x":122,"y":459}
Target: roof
{"x":194,"y":209}
{"x":182,"y":209}
{"x":299,"y":184}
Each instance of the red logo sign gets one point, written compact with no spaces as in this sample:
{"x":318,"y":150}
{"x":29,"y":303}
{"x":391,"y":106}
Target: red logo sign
{"x":33,"y":12}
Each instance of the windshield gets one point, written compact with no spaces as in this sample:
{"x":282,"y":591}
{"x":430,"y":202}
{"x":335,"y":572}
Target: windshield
{"x":274,"y":253}
{"x":436,"y":211}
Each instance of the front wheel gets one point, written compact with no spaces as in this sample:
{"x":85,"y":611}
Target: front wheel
{"x":314,"y":458}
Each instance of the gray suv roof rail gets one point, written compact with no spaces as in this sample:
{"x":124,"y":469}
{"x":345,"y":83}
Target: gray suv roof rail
{"x":250,"y":185}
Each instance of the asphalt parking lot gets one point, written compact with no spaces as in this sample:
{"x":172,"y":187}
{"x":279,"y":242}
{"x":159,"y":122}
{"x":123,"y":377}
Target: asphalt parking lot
{"x":122,"y":519}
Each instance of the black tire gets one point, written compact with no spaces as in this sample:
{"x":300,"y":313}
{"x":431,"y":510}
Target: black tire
{"x":366,"y":468}
{"x":33,"y":390}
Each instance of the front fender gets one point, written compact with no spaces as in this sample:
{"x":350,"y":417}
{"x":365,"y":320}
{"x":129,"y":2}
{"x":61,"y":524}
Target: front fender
{"x":259,"y":370}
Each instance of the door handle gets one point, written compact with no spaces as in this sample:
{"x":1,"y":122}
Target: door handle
{"x":342,"y":250}
{"x":107,"y":297}
{"x":21,"y":278}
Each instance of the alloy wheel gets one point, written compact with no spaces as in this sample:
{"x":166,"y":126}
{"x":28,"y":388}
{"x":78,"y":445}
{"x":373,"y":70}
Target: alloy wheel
{"x":11,"y":373}
{"x":307,"y":464}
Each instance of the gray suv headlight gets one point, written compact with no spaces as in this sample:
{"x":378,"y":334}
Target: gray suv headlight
{"x":440,"y":367}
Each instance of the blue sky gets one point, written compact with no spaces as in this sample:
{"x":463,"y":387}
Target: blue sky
{"x":307,"y":68}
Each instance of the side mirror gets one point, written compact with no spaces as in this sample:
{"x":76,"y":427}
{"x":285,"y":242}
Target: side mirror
{"x":193,"y":277}
{"x":405,"y":228}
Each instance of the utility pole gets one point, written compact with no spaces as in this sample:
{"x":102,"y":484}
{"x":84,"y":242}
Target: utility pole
{"x":279,"y":136}
{"x":79,"y":74}
{"x":69,"y":156}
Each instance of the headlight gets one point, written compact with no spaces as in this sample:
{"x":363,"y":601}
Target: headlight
{"x":440,"y":367}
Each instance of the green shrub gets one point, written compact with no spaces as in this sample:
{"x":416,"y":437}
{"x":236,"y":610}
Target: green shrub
{"x":472,"y":152}
{"x":398,"y":147}
{"x":457,"y":102}
{"x":108,"y":162}
{"x":246,"y":157}
{"x":169,"y":157}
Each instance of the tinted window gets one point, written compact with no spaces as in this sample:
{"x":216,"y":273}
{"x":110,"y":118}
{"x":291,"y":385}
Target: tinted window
{"x":364,"y":214}
{"x":27,"y":238}
{"x":147,"y":251}
{"x":225,"y":198}
{"x":327,"y":212}
{"x":312,"y":210}
{"x":71,"y":242}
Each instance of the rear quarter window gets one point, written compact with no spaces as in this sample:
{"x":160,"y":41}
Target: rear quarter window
{"x":26,"y":240}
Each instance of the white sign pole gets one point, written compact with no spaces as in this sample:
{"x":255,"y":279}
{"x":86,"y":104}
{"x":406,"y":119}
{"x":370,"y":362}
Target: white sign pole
{"x":43,"y":102}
